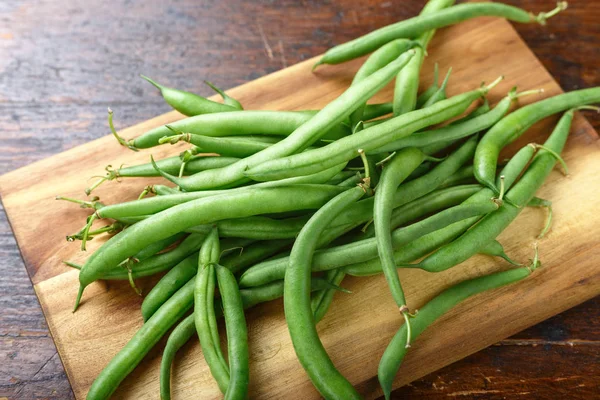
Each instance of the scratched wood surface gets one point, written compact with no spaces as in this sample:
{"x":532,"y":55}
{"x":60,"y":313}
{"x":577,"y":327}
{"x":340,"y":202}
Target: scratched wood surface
{"x":534,"y":361}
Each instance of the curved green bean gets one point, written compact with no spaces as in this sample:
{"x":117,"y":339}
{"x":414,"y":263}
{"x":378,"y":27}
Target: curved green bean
{"x":439,"y":305}
{"x":416,"y":26}
{"x":296,"y":299}
{"x":237,"y":335}
{"x":394,"y":173}
{"x":189,"y":103}
{"x":141,"y":343}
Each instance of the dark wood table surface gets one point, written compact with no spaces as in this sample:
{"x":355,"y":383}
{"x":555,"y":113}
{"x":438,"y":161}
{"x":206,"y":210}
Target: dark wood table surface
{"x":62,"y":63}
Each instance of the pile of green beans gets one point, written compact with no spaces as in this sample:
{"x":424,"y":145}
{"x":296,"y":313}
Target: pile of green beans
{"x":270,"y":204}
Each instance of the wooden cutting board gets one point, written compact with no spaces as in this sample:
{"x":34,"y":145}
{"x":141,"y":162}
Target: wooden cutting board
{"x":359,"y":325}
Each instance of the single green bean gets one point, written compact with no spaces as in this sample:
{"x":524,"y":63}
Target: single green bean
{"x":439,"y":305}
{"x":237,"y":335}
{"x":394,"y":173}
{"x":237,"y":123}
{"x":189,"y":103}
{"x":407,"y":80}
{"x":141,"y":343}
{"x":204,"y":310}
{"x":298,"y":313}
{"x":380,"y":58}
{"x":416,"y":26}
{"x":153,"y":205}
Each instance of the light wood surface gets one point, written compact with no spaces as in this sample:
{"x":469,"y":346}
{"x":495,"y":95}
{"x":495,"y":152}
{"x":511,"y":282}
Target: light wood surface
{"x":359,"y":325}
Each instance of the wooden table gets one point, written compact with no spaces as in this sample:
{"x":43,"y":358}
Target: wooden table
{"x":64,"y":62}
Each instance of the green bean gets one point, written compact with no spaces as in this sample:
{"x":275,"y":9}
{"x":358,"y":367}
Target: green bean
{"x":227,"y":100}
{"x":513,"y":125}
{"x":380,"y":58}
{"x":189,"y":103}
{"x":416,"y":26}
{"x":169,"y":284}
{"x":439,"y":305}
{"x":237,"y":123}
{"x":407,"y":80}
{"x":141,"y":343}
{"x":237,"y":334}
{"x":153,"y":205}
{"x":202,"y":211}
{"x":204,"y":310}
{"x":366,"y":249}
{"x":306,"y":134}
{"x":520,"y":194}
{"x":453,"y":132}
{"x":230,"y":146}
{"x":495,"y":249}
{"x":368,"y":139}
{"x":394,"y":173}
{"x":296,"y":299}
{"x":182,"y":333}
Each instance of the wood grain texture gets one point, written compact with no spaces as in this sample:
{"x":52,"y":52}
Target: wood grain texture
{"x":56,"y":83}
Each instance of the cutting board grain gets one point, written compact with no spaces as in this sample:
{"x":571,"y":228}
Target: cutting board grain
{"x":359,"y":325}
